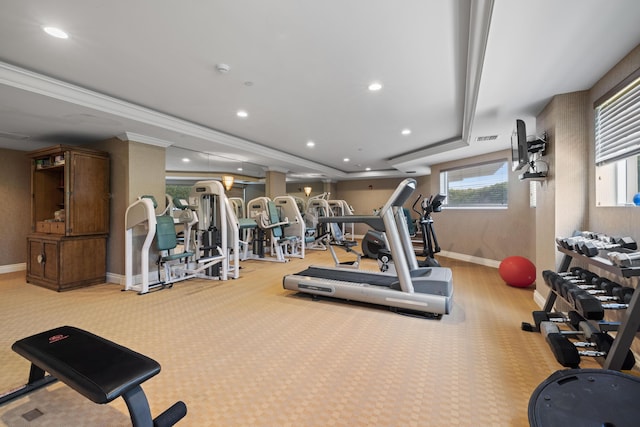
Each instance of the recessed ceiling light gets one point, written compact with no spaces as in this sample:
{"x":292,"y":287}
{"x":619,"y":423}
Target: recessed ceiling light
{"x":346,"y":159}
{"x":311,"y":144}
{"x":367,"y":169}
{"x":56,"y":32}
{"x":375,"y":86}
{"x":242,"y":113}
{"x":239,"y":169}
{"x":406,"y":131}
{"x":186,"y":160}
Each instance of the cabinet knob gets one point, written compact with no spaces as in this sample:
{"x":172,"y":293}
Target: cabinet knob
{"x":41,"y":258}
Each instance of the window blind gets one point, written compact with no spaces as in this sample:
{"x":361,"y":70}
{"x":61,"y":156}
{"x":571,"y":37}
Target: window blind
{"x":479,"y":185}
{"x":617,"y":125}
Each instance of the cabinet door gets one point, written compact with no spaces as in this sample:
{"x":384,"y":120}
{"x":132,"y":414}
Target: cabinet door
{"x":87,"y":195}
{"x":43,"y":259}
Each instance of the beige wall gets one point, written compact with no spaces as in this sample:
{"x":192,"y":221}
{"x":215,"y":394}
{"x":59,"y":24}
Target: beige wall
{"x":617,"y":221}
{"x":562,"y":198}
{"x":275,"y":184}
{"x":15,"y":187}
{"x":136,"y":169}
{"x":621,"y":221}
{"x":491,"y":234}
{"x":365,"y":196}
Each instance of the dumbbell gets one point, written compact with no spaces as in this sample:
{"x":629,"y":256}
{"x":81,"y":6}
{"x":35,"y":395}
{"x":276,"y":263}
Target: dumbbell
{"x":606,"y":289}
{"x":578,"y":275}
{"x":568,"y":355}
{"x":585,"y":281}
{"x":592,"y":308}
{"x":610,"y":293}
{"x":591,"y":248}
{"x":582,"y":328}
{"x":625,"y":260}
{"x":580,"y":236}
{"x":569,"y":242}
{"x":573,"y":318}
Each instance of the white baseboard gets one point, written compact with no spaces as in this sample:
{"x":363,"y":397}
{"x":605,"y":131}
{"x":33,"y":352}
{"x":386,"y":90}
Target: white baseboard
{"x":538,"y":298}
{"x":470,"y":258}
{"x":13,"y":268}
{"x":121,"y":279}
{"x":461,"y":257}
{"x":118,"y":279}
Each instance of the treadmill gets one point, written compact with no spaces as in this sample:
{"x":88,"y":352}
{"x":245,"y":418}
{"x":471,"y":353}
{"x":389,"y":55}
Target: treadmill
{"x":426,"y":290}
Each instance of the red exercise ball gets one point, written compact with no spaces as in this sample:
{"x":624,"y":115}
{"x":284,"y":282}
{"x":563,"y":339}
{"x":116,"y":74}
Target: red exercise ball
{"x":517,"y":271}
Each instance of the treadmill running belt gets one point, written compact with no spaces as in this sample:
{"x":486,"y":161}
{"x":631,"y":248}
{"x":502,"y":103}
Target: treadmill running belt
{"x":349,"y":276}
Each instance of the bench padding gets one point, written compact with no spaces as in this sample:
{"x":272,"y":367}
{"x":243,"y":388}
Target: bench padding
{"x":99,"y":369}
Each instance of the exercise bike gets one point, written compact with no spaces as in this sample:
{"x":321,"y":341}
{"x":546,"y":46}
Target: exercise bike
{"x":374,"y":243}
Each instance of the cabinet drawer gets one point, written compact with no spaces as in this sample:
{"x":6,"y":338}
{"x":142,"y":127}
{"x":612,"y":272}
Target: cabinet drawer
{"x":57,"y":227}
{"x":43,"y":227}
{"x":50,"y":227}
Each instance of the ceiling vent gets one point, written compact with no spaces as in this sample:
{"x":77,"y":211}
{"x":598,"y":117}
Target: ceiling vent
{"x":487,"y":138}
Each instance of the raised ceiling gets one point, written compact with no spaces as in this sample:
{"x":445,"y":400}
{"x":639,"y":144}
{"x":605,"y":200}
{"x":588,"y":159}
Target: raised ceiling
{"x":451,"y":71}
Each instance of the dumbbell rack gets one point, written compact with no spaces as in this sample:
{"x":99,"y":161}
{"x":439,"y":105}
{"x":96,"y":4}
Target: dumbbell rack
{"x":631,"y":319}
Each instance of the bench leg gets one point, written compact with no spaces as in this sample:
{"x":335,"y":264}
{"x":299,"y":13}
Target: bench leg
{"x":35,"y":374}
{"x":37,"y":379}
{"x":138,"y":407}
{"x":141,"y":413}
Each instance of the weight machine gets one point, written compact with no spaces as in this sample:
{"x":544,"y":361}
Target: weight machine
{"x":218,"y":225}
{"x":317,"y":232}
{"x":173,"y":266}
{"x":268,"y":232}
{"x":294,"y":231}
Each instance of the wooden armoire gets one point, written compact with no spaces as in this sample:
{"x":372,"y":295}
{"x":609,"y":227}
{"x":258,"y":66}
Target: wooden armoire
{"x":67,"y":246}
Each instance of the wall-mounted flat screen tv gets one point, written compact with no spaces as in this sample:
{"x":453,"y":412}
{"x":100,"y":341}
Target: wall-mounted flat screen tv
{"x":519,"y":147}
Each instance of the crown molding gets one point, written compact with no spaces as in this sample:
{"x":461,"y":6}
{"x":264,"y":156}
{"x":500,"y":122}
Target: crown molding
{"x":144,"y":139}
{"x":479,"y":25}
{"x":30,"y":81}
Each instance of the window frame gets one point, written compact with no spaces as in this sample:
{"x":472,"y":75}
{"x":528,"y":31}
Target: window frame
{"x":612,"y":142}
{"x":500,"y":164}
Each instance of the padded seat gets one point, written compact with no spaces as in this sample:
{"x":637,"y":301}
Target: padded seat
{"x":97,"y":368}
{"x":167,"y":240}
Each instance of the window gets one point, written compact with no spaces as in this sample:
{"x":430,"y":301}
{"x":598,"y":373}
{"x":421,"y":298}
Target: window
{"x":476,"y":186}
{"x":617,"y":125}
{"x":617,"y":138}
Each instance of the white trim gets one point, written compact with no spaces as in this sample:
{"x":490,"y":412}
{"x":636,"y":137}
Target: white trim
{"x":11,"y":268}
{"x":538,"y":298}
{"x":275,"y":169}
{"x":435,"y":148}
{"x":30,"y":81}
{"x":144,"y":139}
{"x":470,"y":258}
{"x":118,"y":279}
{"x":479,"y":24}
{"x":454,"y":255}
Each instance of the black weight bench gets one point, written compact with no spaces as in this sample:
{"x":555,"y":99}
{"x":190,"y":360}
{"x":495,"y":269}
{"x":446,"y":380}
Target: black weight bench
{"x":97,"y":368}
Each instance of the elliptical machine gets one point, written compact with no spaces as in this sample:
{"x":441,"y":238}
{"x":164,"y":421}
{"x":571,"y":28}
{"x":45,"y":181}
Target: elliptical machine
{"x":430,"y":245}
{"x":374,"y":244}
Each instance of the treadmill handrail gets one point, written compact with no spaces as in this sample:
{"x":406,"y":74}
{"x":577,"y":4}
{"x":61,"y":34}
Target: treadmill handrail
{"x":373,"y":221}
{"x":400,"y":195}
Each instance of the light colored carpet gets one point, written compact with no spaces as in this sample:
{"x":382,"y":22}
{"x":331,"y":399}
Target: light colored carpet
{"x":246,"y":352}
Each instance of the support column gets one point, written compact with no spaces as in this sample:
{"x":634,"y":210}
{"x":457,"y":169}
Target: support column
{"x":137,"y":168}
{"x":275,"y":183}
